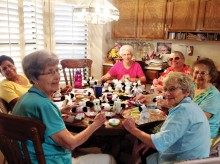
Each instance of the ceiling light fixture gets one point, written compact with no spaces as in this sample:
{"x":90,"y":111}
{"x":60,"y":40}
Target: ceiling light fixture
{"x":98,"y":12}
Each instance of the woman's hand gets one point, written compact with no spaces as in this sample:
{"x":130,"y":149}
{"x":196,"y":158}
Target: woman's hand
{"x":67,"y":109}
{"x":129,"y":124}
{"x":158,"y":88}
{"x":99,"y":120}
{"x":142,"y":98}
{"x":155,"y":82}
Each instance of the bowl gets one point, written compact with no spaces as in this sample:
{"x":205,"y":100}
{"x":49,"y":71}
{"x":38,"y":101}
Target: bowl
{"x":114,"y":121}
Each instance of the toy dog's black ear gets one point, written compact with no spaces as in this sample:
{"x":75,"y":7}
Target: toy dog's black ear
{"x":72,"y":95}
{"x":123,"y":106}
{"x":89,"y":104}
{"x":85,"y":109}
{"x":62,"y":98}
{"x":155,"y":100}
{"x":139,"y":108}
{"x":73,"y":110}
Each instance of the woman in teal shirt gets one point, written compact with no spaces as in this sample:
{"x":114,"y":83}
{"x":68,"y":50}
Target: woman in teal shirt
{"x":207,"y":96}
{"x":41,"y":68}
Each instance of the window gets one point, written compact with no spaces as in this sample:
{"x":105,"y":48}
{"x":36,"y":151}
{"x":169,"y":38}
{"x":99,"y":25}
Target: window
{"x":21,"y":31}
{"x":33,"y":25}
{"x":9,"y":31}
{"x":71,"y":32}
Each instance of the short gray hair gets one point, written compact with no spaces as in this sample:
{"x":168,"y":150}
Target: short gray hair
{"x":185,"y":82}
{"x":35,"y":63}
{"x":126,"y":47}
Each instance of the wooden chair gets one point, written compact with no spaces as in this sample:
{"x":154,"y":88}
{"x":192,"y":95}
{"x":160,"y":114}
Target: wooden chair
{"x":70,"y":66}
{"x":15,"y":131}
{"x":4,"y":107}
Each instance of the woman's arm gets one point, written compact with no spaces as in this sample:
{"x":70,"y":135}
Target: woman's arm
{"x":65,"y":139}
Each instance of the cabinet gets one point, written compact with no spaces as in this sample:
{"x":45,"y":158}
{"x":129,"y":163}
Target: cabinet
{"x":140,"y":19}
{"x":126,"y":26}
{"x":209,"y":17}
{"x":151,"y":75}
{"x":182,"y":15}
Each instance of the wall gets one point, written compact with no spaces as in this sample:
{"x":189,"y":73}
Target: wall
{"x":101,"y":42}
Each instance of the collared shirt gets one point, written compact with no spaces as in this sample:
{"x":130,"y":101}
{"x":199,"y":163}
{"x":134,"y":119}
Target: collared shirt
{"x":184,"y":135}
{"x":36,"y":104}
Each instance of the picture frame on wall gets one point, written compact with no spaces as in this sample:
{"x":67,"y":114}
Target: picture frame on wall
{"x":164,"y":48}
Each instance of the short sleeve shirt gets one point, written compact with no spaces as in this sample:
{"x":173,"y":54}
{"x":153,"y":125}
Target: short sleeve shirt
{"x":185,"y":70}
{"x":35,"y":104}
{"x":118,"y":70}
{"x":11,"y":90}
{"x":184,"y":135}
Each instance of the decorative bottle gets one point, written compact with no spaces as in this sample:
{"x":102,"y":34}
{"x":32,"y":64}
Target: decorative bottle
{"x":78,"y":80}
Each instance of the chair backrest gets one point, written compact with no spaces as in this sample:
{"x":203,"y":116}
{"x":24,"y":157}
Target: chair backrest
{"x":70,"y":66}
{"x":15,"y":131}
{"x":4,"y":107}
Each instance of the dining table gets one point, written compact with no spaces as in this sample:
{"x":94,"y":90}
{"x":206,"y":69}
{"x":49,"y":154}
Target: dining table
{"x":108,"y":137}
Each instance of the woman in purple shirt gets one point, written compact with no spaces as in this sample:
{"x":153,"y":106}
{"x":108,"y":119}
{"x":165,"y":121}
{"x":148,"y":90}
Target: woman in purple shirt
{"x":127,"y":68}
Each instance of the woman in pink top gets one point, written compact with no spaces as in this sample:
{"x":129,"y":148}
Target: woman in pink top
{"x":127,"y":68}
{"x":176,"y":62}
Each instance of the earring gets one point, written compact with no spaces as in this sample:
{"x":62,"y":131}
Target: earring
{"x":36,"y":83}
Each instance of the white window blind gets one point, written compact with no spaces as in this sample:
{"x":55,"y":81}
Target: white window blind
{"x":14,"y":27}
{"x":33,"y":25}
{"x":71,"y":33}
{"x":9,"y":31}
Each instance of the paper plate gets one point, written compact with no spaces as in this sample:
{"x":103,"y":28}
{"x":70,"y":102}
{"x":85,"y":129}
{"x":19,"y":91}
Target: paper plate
{"x":114,"y":121}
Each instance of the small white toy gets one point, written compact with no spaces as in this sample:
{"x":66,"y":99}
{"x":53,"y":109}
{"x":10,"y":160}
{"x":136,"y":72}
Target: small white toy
{"x":97,"y":107}
{"x":145,"y":115}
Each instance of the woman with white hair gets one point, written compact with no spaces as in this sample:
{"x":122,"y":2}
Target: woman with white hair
{"x":127,"y":68}
{"x":185,"y":134}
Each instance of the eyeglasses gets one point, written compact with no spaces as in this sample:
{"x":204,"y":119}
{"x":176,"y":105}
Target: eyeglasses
{"x":52,"y":72}
{"x":176,"y":58}
{"x":202,"y":73}
{"x":171,"y":89}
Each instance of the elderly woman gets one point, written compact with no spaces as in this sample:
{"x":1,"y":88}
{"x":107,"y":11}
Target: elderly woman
{"x":176,"y":62}
{"x":127,"y":68}
{"x":185,"y":133}
{"x":41,"y":68}
{"x":207,"y":96}
{"x":14,"y":85}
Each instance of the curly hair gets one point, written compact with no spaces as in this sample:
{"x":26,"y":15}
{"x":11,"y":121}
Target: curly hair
{"x":213,"y":72}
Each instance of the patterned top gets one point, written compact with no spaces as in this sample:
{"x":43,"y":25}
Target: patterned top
{"x":209,"y":102}
{"x":170,"y":69}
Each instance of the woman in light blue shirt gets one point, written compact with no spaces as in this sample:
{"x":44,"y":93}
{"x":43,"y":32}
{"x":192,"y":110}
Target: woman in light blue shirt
{"x":185,"y":133}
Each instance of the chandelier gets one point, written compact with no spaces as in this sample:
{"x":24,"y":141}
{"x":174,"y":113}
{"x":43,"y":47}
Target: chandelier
{"x":98,"y":12}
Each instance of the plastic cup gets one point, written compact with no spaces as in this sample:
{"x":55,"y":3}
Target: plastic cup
{"x":98,"y":91}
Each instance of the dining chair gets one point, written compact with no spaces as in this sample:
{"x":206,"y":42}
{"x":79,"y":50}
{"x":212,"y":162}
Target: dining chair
{"x":14,"y":132}
{"x":4,"y":107}
{"x":70,"y":66}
